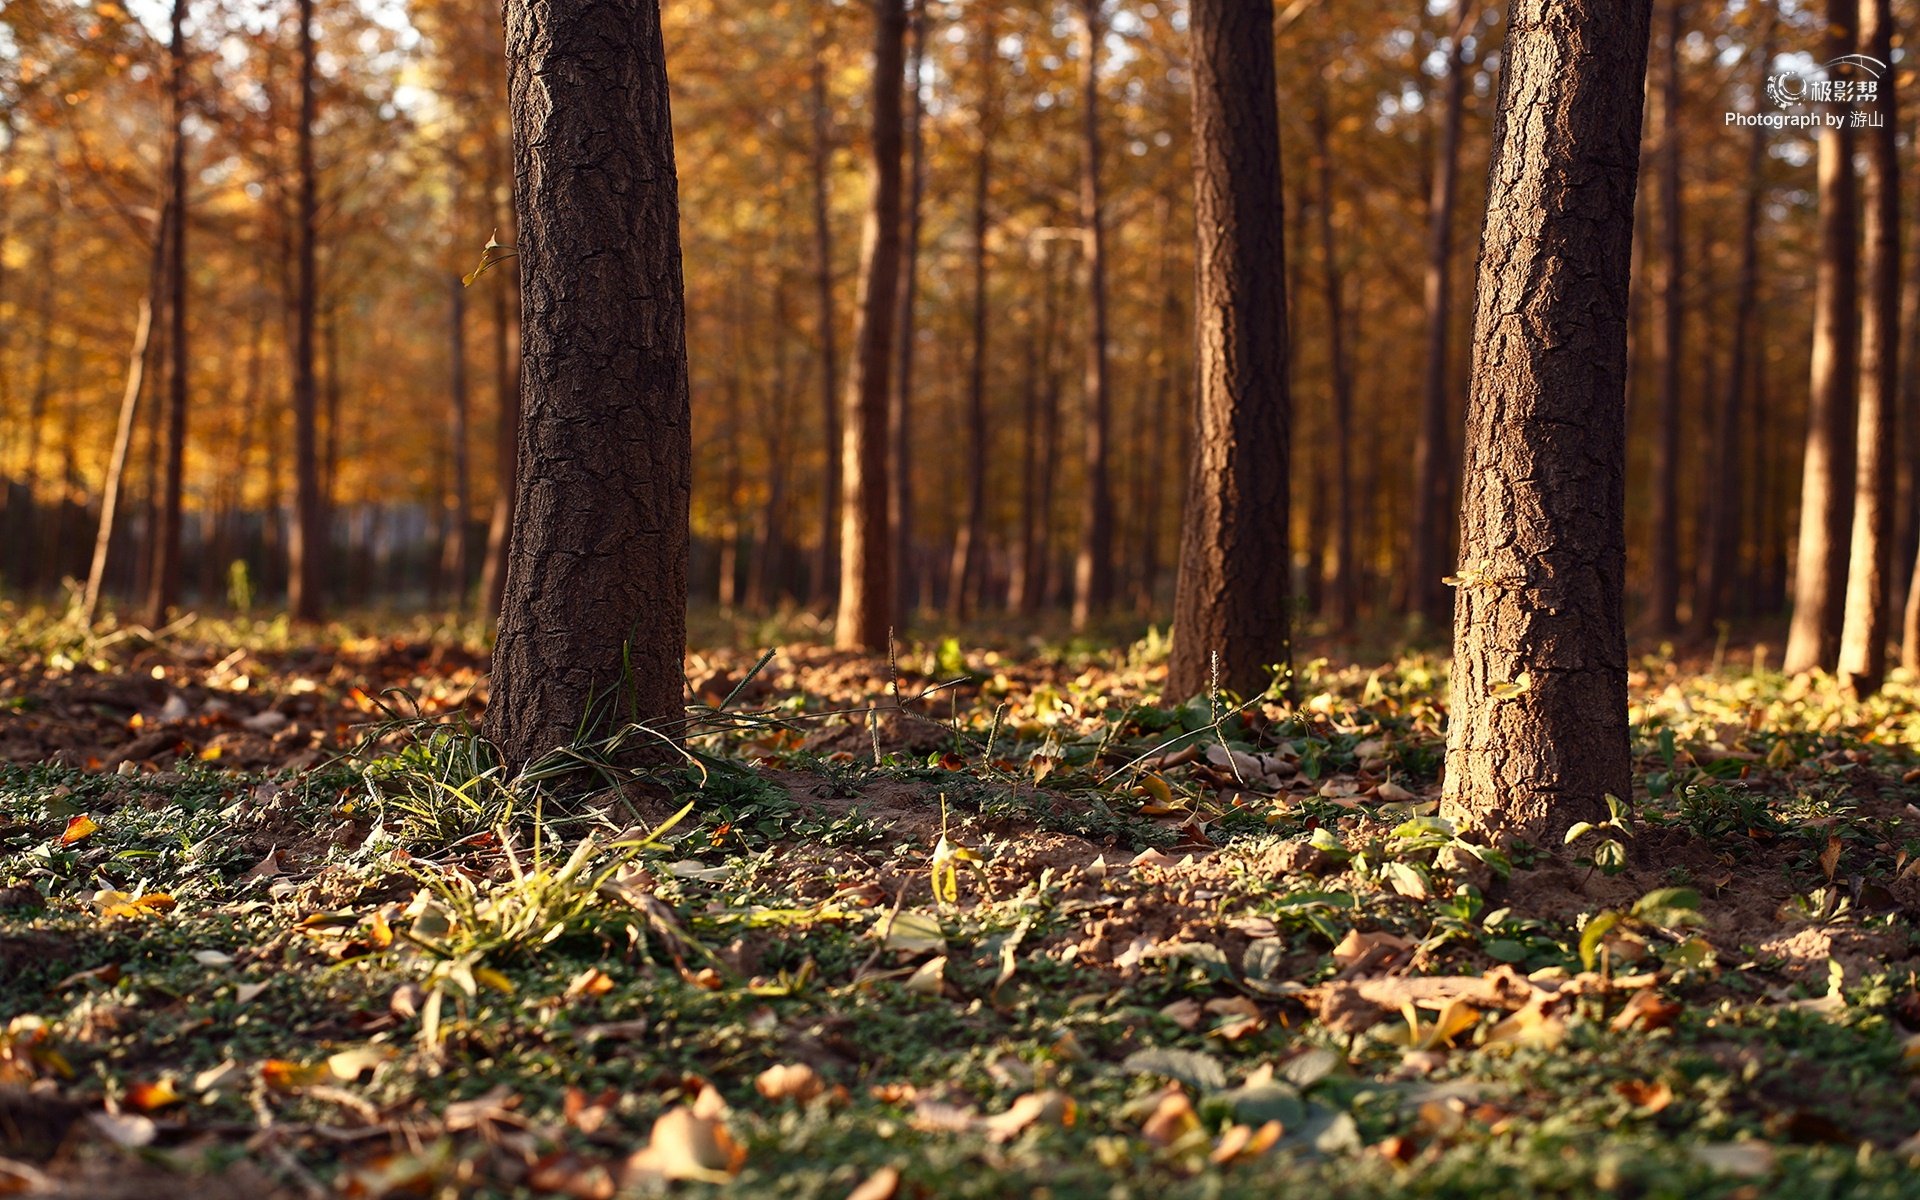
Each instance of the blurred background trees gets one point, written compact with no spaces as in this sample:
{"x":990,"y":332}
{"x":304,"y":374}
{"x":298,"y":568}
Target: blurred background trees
{"x":1038,"y":455}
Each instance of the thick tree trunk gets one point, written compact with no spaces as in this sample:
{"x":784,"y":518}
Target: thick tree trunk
{"x":1826,"y":478}
{"x":111,"y":487}
{"x":453,"y":554}
{"x":1538,"y":734}
{"x":1230,"y":620}
{"x":1863,"y":640}
{"x":1341,"y":584}
{"x":900,"y":417}
{"x":1663,"y":594}
{"x":865,"y":617}
{"x":593,"y":627}
{"x":963,"y":572}
{"x":163,"y":586}
{"x":826,"y":571}
{"x":1093,"y":566}
{"x":1433,"y":456}
{"x":1720,"y":539}
{"x":307,"y":543}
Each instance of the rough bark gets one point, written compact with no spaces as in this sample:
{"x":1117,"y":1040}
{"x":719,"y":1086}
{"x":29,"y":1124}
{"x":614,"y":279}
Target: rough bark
{"x":1663,"y":593}
{"x":1538,"y":735}
{"x":307,"y":540}
{"x":1863,"y":639}
{"x":865,"y":616}
{"x":1826,"y":475}
{"x":1230,"y":622}
{"x":1433,"y":461}
{"x":593,"y":626}
{"x":1093,"y":565}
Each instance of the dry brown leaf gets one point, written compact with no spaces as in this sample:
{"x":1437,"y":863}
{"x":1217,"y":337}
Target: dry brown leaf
{"x":1185,"y":1013}
{"x":1647,"y":1011}
{"x":794,"y":1081}
{"x":1172,"y":1119}
{"x":685,"y":1146}
{"x":1647,"y":1097}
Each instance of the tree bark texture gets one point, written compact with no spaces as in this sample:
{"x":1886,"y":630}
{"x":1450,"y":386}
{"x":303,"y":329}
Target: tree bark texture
{"x":1538,"y":734}
{"x":1232,"y":595}
{"x":593,"y":625}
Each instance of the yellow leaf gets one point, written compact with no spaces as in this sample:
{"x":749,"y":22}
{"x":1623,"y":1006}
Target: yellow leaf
{"x":493,"y":979}
{"x":284,"y":1076}
{"x":79,"y":828}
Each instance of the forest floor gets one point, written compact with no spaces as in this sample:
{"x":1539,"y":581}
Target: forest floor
{"x":270,"y":924}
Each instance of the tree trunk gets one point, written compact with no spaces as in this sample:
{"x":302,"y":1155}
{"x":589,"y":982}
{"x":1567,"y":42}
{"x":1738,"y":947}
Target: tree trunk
{"x":963,"y":573}
{"x":1093,"y":566}
{"x":27,"y":522}
{"x":1663,"y":596}
{"x":1863,"y":640}
{"x":826,"y":569}
{"x":1720,"y":538}
{"x":1340,"y":591}
{"x":593,"y":626}
{"x":110,"y":488}
{"x":163,"y":586}
{"x":1538,"y":735}
{"x":865,"y":618}
{"x":900,"y":427}
{"x":1826,"y":479}
{"x":1230,"y":619}
{"x":453,"y":555}
{"x":1433,"y":460}
{"x":307,"y":543}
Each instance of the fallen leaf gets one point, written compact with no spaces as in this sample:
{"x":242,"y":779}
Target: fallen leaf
{"x":883,"y":1184}
{"x":793,"y":1081}
{"x":1053,"y":1108}
{"x":79,"y":829}
{"x":149,"y":1097}
{"x":1649,"y":1098}
{"x":1647,"y":1010}
{"x":1172,"y":1119}
{"x":1185,"y":1013}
